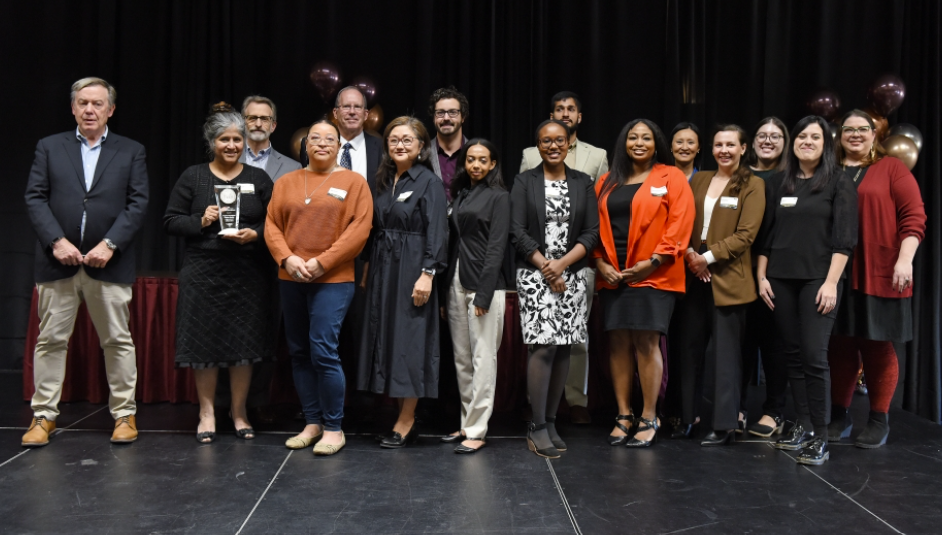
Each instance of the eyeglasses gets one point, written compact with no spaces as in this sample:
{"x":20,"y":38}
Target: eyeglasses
{"x":851,"y":131}
{"x":547,"y":142}
{"x":317,"y":140}
{"x":351,"y":107}
{"x":265,"y":119}
{"x":774,"y":138}
{"x":451,"y":113}
{"x":406,"y":142}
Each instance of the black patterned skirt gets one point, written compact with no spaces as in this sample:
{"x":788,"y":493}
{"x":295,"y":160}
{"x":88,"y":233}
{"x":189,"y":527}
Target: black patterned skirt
{"x":223,"y":309}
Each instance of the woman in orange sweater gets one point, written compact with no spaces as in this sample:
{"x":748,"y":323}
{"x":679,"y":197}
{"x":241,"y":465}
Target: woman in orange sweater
{"x":646,"y":213}
{"x":319,"y":219}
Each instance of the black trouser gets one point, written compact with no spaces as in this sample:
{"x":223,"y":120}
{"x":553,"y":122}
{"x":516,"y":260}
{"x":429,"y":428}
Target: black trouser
{"x":700,"y":323}
{"x":805,"y":334}
{"x":761,"y":336}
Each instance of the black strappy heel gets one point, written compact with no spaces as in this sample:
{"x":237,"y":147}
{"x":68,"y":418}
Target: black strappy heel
{"x":644,"y":426}
{"x":621,"y":441}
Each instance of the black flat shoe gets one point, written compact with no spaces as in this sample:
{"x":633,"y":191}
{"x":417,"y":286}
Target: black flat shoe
{"x":796,"y":439}
{"x":246,"y":433}
{"x":644,"y":426}
{"x":451,"y":439}
{"x":814,"y":453}
{"x":550,"y":452}
{"x":765,"y":431}
{"x":396,"y":440}
{"x":554,"y":436}
{"x":621,"y":441}
{"x":461,"y":448}
{"x":718,"y":438}
{"x":842,"y":423}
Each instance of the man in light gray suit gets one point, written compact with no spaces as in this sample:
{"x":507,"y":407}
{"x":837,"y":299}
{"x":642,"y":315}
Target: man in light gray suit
{"x":592,"y":161}
{"x":261,"y":118}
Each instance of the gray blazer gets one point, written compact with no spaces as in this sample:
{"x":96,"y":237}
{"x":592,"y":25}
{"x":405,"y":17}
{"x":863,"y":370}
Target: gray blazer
{"x":433,"y":155}
{"x":278,"y":164}
{"x":592,"y":161}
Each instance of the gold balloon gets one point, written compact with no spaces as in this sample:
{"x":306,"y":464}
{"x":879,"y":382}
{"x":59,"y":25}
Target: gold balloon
{"x":296,"y":138}
{"x":374,"y":120}
{"x":900,"y":146}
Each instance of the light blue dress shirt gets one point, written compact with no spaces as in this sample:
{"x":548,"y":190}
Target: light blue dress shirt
{"x":90,"y":157}
{"x":259,"y":160}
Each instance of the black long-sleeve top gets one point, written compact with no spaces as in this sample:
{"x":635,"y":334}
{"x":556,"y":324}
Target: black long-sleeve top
{"x":801,"y":230}
{"x":480,"y":222}
{"x":194,"y":191}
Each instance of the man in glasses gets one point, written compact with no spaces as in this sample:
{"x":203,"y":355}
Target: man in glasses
{"x":449,"y":110}
{"x":261,"y":118}
{"x":593,"y":161}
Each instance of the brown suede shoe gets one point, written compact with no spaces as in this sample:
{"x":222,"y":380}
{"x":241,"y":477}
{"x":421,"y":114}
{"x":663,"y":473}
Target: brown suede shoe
{"x":579,"y":415}
{"x":125,"y":430}
{"x":39,"y":431}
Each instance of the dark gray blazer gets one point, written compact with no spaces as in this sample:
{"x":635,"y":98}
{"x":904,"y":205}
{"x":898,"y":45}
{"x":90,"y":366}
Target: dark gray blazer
{"x":528,"y":215}
{"x":278,"y":164}
{"x":116,"y":203}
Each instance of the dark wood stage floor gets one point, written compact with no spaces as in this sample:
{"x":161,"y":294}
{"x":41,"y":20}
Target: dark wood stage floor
{"x":168,"y":483}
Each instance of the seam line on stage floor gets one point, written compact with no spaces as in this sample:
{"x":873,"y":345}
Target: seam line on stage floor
{"x":54,"y":433}
{"x":262,"y":497}
{"x":842,"y":493}
{"x":559,"y":487}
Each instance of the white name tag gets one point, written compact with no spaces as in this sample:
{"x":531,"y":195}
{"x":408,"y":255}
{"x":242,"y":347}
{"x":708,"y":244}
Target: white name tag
{"x":659,"y":192}
{"x":729,"y":202}
{"x":404,"y":196}
{"x":788,"y":202}
{"x":247,"y":188}
{"x":338,"y":194}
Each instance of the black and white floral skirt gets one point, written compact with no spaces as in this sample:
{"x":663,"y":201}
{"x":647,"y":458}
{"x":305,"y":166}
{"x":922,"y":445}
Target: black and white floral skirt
{"x":548,"y":318}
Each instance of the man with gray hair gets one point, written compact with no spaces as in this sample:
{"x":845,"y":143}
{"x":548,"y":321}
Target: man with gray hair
{"x":261,"y":118}
{"x":86,"y":197}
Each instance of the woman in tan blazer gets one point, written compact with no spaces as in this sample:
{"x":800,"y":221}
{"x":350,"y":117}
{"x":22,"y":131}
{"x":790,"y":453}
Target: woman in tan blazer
{"x":730,"y":204}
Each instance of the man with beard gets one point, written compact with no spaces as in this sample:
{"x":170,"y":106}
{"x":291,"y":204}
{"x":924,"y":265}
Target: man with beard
{"x":261,"y":118}
{"x":449,"y":110}
{"x":592,"y":161}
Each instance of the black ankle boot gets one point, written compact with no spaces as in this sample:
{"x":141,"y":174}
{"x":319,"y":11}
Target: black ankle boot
{"x":554,"y":436}
{"x":841,"y":424}
{"x":874,"y":435}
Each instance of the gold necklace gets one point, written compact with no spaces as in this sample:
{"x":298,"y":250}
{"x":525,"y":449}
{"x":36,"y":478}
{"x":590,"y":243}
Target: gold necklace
{"x":307,"y":198}
{"x":859,"y":169}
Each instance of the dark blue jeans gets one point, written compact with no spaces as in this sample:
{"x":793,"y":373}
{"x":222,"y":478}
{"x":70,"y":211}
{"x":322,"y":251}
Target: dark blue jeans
{"x":313,"y":314}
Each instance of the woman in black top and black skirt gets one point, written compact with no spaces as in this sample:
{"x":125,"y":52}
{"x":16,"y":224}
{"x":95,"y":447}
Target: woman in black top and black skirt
{"x":809,"y":231}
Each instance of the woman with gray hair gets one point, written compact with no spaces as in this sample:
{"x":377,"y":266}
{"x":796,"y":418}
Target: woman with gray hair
{"x":224,"y":296}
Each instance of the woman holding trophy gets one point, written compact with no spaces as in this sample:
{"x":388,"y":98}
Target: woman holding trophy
{"x":224,"y":301}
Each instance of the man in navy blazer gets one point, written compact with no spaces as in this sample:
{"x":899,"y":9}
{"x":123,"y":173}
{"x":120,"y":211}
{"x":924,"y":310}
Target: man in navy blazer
{"x":86,"y":197}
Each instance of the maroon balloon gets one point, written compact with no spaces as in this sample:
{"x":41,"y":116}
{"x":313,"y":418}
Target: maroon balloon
{"x":886,"y":93}
{"x":326,"y":79}
{"x":367,"y":86}
{"x":825,"y":103}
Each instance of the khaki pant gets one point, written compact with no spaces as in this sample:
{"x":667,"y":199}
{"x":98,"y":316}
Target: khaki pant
{"x":475,"y":340}
{"x":108,"y":309}
{"x":578,"y":381}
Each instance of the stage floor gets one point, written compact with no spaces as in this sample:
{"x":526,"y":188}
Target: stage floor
{"x":168,"y":483}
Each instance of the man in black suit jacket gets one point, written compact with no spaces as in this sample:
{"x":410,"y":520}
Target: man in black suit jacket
{"x":86,"y":197}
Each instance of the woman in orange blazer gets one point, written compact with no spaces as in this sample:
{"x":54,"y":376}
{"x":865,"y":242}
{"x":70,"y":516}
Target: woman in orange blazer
{"x":720,"y":284}
{"x":646,"y":212}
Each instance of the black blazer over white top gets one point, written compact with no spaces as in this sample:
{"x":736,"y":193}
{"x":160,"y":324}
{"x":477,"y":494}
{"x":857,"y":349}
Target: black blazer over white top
{"x":528,"y":215}
{"x":115,"y":204}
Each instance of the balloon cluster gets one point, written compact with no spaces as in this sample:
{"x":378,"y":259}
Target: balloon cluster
{"x":327,"y":80}
{"x":884,"y":96}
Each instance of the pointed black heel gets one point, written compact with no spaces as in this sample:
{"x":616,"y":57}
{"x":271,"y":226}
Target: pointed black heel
{"x":622,"y":440}
{"x":644,"y":426}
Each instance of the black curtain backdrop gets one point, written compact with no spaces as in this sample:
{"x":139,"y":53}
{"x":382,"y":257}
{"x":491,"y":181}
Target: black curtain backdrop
{"x":705,"y":61}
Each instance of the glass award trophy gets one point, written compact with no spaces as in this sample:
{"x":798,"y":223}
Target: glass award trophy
{"x":228,"y":199}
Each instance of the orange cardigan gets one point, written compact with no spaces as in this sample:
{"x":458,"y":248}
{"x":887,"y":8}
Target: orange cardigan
{"x":659,"y":225}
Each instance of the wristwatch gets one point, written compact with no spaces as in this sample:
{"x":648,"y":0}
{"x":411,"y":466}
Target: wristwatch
{"x":655,"y":261}
{"x":429,"y":271}
{"x":110,"y":244}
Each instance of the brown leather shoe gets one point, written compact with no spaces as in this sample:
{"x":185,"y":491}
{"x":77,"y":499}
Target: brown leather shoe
{"x":579,"y":415}
{"x":39,"y":431}
{"x":125,"y":430}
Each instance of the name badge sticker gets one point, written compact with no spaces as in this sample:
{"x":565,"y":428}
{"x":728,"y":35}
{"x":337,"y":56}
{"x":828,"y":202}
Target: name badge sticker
{"x":247,"y":188}
{"x":729,"y":202}
{"x":659,"y":192}
{"x":404,"y":196}
{"x":338,"y":194}
{"x":788,"y":202}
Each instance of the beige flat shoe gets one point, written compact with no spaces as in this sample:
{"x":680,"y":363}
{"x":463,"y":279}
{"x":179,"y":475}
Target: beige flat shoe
{"x":329,"y":449}
{"x":299,"y":443}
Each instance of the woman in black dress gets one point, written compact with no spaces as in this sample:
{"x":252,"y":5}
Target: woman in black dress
{"x":400,"y":354}
{"x":224,"y":300}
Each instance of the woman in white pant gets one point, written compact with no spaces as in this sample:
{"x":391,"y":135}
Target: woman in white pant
{"x":480,"y":227}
